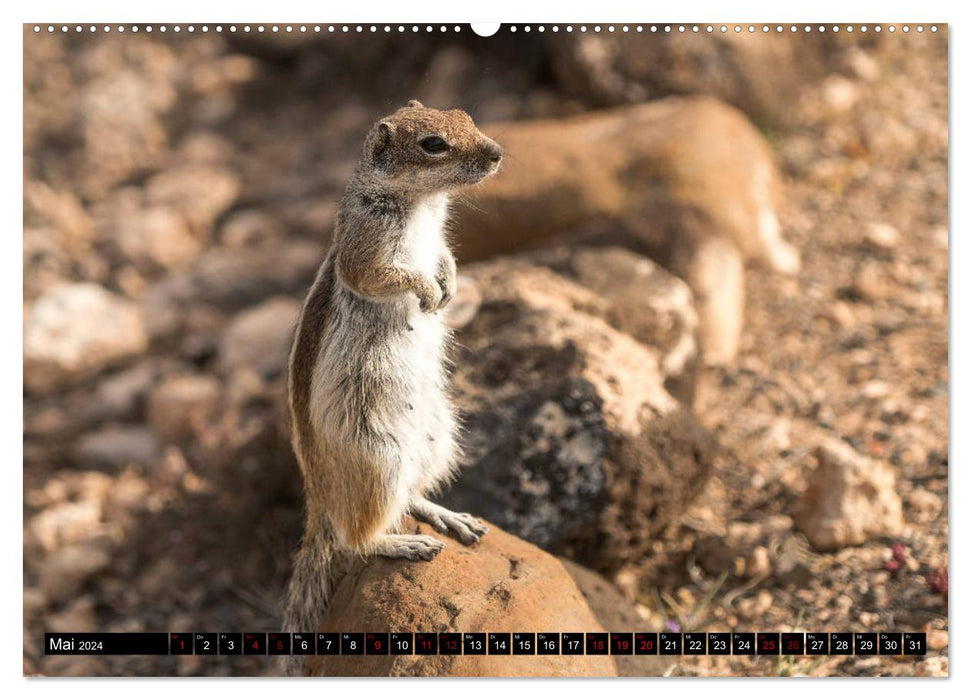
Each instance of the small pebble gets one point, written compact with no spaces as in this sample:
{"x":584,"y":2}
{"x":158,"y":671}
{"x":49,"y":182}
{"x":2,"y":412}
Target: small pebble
{"x":882,"y":236}
{"x":936,"y":639}
{"x":758,"y":564}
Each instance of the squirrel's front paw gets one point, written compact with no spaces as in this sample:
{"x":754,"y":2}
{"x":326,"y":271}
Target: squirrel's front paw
{"x":429,"y":297}
{"x":447,"y":281}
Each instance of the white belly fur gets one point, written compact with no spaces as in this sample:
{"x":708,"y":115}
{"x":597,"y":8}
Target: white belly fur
{"x":413,"y":410}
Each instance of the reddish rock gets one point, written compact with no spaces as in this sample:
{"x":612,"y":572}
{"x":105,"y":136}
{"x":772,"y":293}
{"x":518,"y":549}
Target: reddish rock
{"x":688,"y":182}
{"x":502,"y":584}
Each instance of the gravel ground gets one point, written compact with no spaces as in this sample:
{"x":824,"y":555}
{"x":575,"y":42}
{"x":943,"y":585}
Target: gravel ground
{"x":127,"y":533}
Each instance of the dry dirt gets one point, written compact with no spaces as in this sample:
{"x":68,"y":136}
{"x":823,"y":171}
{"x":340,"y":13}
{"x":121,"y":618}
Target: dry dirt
{"x":199,"y":538}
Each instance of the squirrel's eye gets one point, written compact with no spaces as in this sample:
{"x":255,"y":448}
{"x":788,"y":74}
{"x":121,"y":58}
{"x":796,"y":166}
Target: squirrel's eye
{"x":434,"y":144}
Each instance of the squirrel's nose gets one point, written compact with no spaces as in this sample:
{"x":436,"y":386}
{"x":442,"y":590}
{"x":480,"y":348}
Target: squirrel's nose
{"x":495,"y":153}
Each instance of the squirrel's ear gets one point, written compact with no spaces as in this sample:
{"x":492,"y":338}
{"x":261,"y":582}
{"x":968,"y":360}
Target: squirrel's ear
{"x":415,"y":104}
{"x":378,"y":141}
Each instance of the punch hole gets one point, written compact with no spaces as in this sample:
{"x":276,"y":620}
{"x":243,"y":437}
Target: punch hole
{"x":485,"y":29}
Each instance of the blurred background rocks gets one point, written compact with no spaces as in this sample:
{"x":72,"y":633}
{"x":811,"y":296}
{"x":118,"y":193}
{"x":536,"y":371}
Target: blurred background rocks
{"x":179,"y":193}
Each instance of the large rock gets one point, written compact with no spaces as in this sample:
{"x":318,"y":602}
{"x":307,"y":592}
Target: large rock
{"x":850,"y":499}
{"x":230,"y":279}
{"x":76,"y":330}
{"x":157,"y":237}
{"x":641,"y":299}
{"x":65,"y":571}
{"x":200,"y":193}
{"x":502,"y":584}
{"x":689,"y":182}
{"x":180,"y":404}
{"x":116,"y":446}
{"x":260,"y":337}
{"x":765,"y":76}
{"x":572,"y":441}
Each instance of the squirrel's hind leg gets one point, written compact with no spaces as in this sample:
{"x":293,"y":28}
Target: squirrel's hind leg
{"x":414,"y":547}
{"x":467,"y":528}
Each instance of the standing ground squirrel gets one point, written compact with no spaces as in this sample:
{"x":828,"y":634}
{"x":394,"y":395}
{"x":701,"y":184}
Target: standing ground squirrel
{"x":371,"y":421}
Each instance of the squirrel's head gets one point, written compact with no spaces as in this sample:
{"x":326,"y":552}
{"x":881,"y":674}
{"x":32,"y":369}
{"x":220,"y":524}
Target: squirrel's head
{"x":429,"y":150}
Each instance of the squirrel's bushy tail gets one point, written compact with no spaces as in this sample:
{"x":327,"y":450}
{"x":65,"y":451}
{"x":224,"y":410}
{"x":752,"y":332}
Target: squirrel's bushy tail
{"x":311,"y":588}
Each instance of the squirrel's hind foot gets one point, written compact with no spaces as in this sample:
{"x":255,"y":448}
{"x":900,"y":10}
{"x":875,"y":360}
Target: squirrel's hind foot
{"x":413,"y":547}
{"x":467,"y":528}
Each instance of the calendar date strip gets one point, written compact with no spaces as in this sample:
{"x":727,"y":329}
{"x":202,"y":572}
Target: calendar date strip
{"x":487,"y":643}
